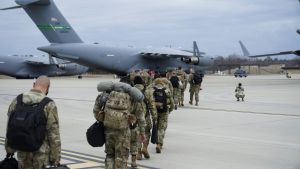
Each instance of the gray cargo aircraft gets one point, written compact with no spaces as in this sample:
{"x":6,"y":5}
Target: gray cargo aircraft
{"x":66,"y":44}
{"x":246,"y":53}
{"x":28,"y":66}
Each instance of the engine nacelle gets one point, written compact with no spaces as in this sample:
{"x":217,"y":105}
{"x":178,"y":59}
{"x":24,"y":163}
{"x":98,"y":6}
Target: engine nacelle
{"x":62,"y":66}
{"x":191,"y":60}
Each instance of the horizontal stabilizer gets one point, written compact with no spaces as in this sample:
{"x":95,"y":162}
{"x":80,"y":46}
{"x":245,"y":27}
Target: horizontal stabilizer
{"x":14,"y":7}
{"x":29,"y":2}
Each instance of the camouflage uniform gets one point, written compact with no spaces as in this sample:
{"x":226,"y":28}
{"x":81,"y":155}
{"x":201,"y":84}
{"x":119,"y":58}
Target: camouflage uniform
{"x":146,"y":77}
{"x":150,"y":113}
{"x":117,"y":142}
{"x":162,"y":121}
{"x":184,"y":80}
{"x":239,"y":93}
{"x":50,"y":151}
{"x":194,"y":90}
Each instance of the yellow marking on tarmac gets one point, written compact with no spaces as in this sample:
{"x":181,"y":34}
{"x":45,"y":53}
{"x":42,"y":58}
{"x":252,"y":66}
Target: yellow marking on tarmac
{"x":85,"y":161}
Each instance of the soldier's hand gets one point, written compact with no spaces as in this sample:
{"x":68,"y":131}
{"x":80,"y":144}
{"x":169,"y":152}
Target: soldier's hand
{"x":142,"y":138}
{"x":131,"y":119}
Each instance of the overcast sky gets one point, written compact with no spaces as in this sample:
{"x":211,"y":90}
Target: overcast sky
{"x":217,"y":25}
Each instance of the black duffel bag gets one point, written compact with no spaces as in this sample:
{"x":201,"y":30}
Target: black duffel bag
{"x":95,"y":134}
{"x":154,"y":134}
{"x":9,"y":162}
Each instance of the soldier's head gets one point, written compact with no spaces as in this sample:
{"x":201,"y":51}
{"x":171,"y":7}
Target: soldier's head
{"x":42,"y":84}
{"x":179,"y":68}
{"x":240,"y":84}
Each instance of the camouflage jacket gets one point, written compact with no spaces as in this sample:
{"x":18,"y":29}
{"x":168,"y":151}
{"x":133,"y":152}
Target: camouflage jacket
{"x":149,"y":101}
{"x":52,"y":142}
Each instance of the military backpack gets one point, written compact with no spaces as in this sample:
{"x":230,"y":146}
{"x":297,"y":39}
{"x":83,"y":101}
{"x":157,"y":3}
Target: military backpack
{"x":117,"y":110}
{"x":26,"y":129}
{"x":175,"y":81}
{"x":197,"y":79}
{"x":160,"y":97}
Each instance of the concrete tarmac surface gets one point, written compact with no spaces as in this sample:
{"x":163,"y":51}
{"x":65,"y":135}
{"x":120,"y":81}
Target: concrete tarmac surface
{"x":263,"y":132}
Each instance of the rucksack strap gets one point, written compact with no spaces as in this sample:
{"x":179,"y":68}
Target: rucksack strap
{"x":19,"y":100}
{"x":44,"y":102}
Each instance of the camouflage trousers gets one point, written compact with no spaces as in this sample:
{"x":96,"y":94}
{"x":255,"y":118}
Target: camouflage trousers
{"x":117,"y":146}
{"x":134,"y":141}
{"x":36,"y":160}
{"x":194,"y":90}
{"x":181,"y":99}
{"x":239,"y":96}
{"x":162,"y":124}
{"x":176,"y":95}
{"x":147,"y":131}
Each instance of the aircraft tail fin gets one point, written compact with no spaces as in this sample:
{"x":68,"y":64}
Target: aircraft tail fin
{"x":50,"y":21}
{"x":244,"y":49}
{"x":196,"y":51}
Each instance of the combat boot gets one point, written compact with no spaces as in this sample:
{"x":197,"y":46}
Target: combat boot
{"x":139,"y":156}
{"x":196,"y":104}
{"x":158,"y":148}
{"x":145,"y":151}
{"x":191,"y":103}
{"x":133,"y":161}
{"x":242,"y":99}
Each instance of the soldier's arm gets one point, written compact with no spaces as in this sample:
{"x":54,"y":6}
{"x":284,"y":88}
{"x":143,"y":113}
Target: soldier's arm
{"x":53,"y":132}
{"x":171,"y":102}
{"x":11,"y":107}
{"x":139,"y":112}
{"x":97,"y":108}
{"x":151,"y":105}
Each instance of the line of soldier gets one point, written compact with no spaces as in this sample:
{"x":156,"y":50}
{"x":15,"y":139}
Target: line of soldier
{"x":127,"y":131}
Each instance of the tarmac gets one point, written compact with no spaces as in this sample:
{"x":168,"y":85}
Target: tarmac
{"x":263,"y":132}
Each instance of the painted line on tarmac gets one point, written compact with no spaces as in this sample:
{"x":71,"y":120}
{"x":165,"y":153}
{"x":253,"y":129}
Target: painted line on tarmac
{"x":242,"y":111}
{"x":54,"y":98}
{"x":81,"y":160}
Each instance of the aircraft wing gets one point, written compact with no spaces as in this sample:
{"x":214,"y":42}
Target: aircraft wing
{"x":164,"y":53}
{"x":297,"y":52}
{"x":36,"y":63}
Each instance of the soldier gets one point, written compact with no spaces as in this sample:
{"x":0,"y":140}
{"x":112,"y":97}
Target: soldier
{"x":146,"y":77}
{"x":176,"y":84}
{"x":149,"y":105}
{"x":195,"y":80}
{"x":239,"y":92}
{"x":164,"y":105}
{"x":118,"y":102}
{"x":184,"y":80}
{"x":49,"y":153}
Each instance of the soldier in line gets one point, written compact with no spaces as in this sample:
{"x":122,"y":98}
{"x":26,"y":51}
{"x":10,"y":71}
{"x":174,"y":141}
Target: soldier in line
{"x":176,"y":84}
{"x":149,"y":106}
{"x":164,"y":105}
{"x":239,"y":92}
{"x":117,"y":126}
{"x":195,"y":80}
{"x":184,"y":80}
{"x":50,"y":151}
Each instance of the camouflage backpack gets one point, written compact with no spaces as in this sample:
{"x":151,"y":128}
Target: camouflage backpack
{"x":117,"y":110}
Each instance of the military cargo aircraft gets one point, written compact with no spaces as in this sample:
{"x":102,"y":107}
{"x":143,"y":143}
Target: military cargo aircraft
{"x":29,"y":66}
{"x":246,"y":53}
{"x":66,"y":44}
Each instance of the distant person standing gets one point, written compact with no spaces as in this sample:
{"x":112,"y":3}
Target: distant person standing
{"x":33,"y":128}
{"x":239,"y":92}
{"x":195,"y":80}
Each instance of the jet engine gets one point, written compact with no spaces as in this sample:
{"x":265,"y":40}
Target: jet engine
{"x":62,"y":66}
{"x":192,"y":60}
